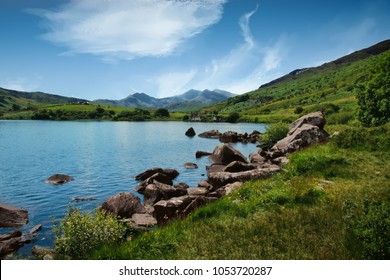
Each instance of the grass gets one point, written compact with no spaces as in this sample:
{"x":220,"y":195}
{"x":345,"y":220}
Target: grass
{"x":330,"y":202}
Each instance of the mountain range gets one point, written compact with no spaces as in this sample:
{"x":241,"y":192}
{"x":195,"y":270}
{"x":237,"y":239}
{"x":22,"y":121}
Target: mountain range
{"x":192,"y":99}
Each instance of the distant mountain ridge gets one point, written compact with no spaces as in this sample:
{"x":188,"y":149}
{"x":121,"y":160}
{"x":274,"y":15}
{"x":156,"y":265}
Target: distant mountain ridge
{"x":191,"y":99}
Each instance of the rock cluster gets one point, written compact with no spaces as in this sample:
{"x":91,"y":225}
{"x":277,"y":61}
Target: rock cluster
{"x":231,"y":136}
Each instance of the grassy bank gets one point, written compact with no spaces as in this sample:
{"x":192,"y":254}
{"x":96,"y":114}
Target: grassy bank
{"x":331,"y":202}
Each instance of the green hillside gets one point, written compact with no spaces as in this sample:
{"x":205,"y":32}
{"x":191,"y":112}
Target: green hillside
{"x":331,"y":86}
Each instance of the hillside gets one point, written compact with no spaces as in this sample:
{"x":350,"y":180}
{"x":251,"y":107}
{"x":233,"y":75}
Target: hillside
{"x":331,"y":86}
{"x":190,"y":100}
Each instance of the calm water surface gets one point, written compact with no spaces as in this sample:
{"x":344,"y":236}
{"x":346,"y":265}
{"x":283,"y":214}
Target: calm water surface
{"x":101,"y":156}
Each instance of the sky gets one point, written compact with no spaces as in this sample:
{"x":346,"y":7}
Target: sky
{"x":110,"y":49}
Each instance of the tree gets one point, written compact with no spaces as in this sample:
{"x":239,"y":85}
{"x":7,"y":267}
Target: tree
{"x":233,"y":117}
{"x":374,"y":97}
{"x":161,"y":112}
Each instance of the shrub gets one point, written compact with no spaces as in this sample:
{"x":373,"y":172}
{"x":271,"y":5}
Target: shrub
{"x":80,"y":232}
{"x":273,"y":134}
{"x":298,"y":110}
{"x":233,"y":117}
{"x":161,"y":112}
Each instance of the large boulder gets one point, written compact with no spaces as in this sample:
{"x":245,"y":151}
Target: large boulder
{"x":123,"y":205}
{"x":158,"y":191}
{"x":214,"y":134}
{"x":190,"y":132}
{"x":225,"y":154}
{"x":11,"y":216}
{"x":58,"y":179}
{"x":219,"y":179}
{"x":171,"y":173}
{"x":302,"y":137}
{"x":238,"y":166}
{"x":315,"y":119}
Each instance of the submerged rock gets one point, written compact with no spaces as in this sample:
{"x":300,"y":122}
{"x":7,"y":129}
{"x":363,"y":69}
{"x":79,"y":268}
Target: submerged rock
{"x":58,"y":179}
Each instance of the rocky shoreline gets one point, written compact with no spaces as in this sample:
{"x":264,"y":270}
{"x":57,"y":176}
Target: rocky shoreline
{"x":165,"y":200}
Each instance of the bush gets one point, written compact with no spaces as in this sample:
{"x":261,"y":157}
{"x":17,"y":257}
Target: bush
{"x":80,"y":232}
{"x":273,"y":134}
{"x":233,"y":117}
{"x":161,"y":112}
{"x":298,"y":110}
{"x":374,"y":97}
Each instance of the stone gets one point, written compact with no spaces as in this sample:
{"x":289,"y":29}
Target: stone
{"x":228,"y":137}
{"x":280,"y":161}
{"x":190,"y":132}
{"x":206,"y":185}
{"x":81,"y":199}
{"x":197,"y":191}
{"x":11,"y":234}
{"x":225,"y":154}
{"x":238,"y":166}
{"x":200,"y":154}
{"x":10,"y":246}
{"x":144,"y":220}
{"x":36,"y":229}
{"x":219,"y":179}
{"x":214,"y":134}
{"x":158,"y":177}
{"x":158,"y":191}
{"x":314,"y":119}
{"x":190,"y":165}
{"x":58,"y":179}
{"x":229,"y":188}
{"x":11,"y":216}
{"x":181,"y":185}
{"x":123,"y":205}
{"x":171,"y":173}
{"x":148,"y":173}
{"x":41,"y":251}
{"x":256,"y":157}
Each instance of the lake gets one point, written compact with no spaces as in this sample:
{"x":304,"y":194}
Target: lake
{"x":101,"y":156}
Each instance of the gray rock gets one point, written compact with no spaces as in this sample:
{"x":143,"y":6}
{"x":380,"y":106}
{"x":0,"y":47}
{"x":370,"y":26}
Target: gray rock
{"x":225,"y":154}
{"x":200,"y":154}
{"x":190,"y":132}
{"x":238,"y":166}
{"x":214,"y":134}
{"x":36,"y":229}
{"x":158,"y":191}
{"x":11,"y":216}
{"x":190,"y":165}
{"x":144,"y":220}
{"x":123,"y":205}
{"x":41,"y":251}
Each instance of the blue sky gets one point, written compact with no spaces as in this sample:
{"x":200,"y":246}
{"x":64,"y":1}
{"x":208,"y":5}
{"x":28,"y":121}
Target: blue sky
{"x":112,"y":48}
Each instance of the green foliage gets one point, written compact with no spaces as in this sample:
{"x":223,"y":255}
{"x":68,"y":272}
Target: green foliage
{"x":80,"y":232}
{"x":361,"y":138}
{"x":368,"y":228}
{"x":274,"y":133}
{"x":233,"y":117}
{"x":161,"y":112}
{"x":298,"y":110}
{"x":374,"y":97}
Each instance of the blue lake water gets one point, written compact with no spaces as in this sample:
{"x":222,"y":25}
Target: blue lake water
{"x":101,"y":156}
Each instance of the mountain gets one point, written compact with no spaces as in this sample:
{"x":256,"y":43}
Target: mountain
{"x":14,"y":99}
{"x":192,"y":99}
{"x":331,"y":87}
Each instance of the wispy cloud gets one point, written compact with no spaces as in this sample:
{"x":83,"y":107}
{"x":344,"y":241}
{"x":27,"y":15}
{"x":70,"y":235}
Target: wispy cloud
{"x":21,"y":84}
{"x":246,"y":32}
{"x":175,"y":83}
{"x":123,"y":29}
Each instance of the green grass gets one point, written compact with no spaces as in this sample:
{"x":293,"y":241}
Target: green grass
{"x":330,"y":202}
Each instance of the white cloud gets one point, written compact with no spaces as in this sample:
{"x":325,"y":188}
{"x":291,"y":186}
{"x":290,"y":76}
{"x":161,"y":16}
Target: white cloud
{"x":244,"y":24}
{"x":123,"y":29}
{"x":174,"y":83}
{"x":20,"y":84}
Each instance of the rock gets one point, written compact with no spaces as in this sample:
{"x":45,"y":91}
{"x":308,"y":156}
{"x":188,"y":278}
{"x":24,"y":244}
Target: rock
{"x":302,"y":137}
{"x":219,"y":179}
{"x":206,"y":185}
{"x":215,"y":168}
{"x":229,"y":188}
{"x":171,"y":173}
{"x":200,"y":154}
{"x":123,"y":205}
{"x":225,"y":154}
{"x":177,"y":207}
{"x":41,"y":251}
{"x":314,"y":119}
{"x":144,"y":220}
{"x":11,"y":216}
{"x":214,"y":134}
{"x":190,"y":165}
{"x":158,"y":177}
{"x":238,"y":166}
{"x":190,"y":132}
{"x":197,"y":191}
{"x":58,"y":179}
{"x":36,"y":229}
{"x":181,"y":185}
{"x":256,"y":157}
{"x":81,"y":199}
{"x":10,"y":246}
{"x":11,"y":234}
{"x":228,"y":137}
{"x":158,"y":191}
{"x":280,"y":161}
{"x":148,"y":173}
